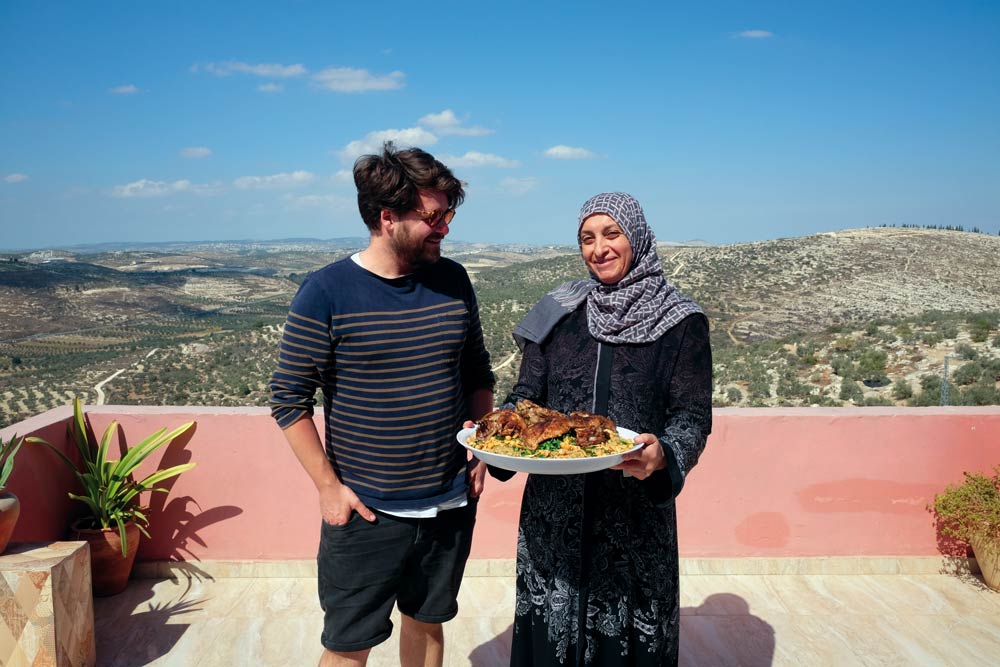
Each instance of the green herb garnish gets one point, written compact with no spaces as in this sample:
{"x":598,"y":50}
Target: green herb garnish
{"x":550,"y":445}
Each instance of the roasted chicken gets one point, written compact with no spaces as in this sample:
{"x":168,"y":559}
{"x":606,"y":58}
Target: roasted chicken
{"x":500,"y":423}
{"x":590,"y":429}
{"x":533,"y":424}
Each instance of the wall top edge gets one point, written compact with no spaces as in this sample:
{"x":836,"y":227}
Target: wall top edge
{"x":62,"y":413}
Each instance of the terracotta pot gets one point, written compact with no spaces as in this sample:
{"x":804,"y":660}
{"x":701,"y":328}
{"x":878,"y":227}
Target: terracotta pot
{"x":10,"y":508}
{"x":109,"y":570}
{"x":988,"y":561}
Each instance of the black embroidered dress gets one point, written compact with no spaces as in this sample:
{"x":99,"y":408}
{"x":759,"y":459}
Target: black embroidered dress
{"x":608,"y":539}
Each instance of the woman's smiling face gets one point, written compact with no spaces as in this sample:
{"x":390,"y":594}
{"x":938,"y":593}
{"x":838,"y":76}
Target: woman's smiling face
{"x":605,"y":248}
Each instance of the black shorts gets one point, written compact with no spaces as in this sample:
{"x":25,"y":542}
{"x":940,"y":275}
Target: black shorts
{"x":365,"y":568}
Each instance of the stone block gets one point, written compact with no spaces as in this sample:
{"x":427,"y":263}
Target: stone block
{"x":46,"y":606}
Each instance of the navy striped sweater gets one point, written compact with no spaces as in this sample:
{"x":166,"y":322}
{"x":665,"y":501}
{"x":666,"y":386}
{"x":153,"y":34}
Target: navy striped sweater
{"x":396,"y":360}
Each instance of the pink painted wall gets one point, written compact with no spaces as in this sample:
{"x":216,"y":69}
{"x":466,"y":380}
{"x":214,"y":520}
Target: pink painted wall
{"x":832,"y":481}
{"x":772,"y":482}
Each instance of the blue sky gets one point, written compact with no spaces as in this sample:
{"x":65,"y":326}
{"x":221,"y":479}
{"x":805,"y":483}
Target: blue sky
{"x":729,"y":121}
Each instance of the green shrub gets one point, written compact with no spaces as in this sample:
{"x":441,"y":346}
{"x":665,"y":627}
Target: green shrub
{"x":981,"y":393}
{"x":871,"y":365}
{"x":734,"y":395}
{"x":874,"y":401}
{"x":971,"y":510}
{"x":901,"y":390}
{"x":967,"y":373}
{"x":792,"y":387}
{"x":843,"y":344}
{"x":980,"y":325}
{"x":905,"y":332}
{"x":930,"y":391}
{"x":843,"y":366}
{"x":806,"y":353}
{"x":931,"y":338}
{"x":966,"y":351}
{"x":850,"y":391}
{"x":760,"y":388}
{"x":930,"y":382}
{"x":931,"y":317}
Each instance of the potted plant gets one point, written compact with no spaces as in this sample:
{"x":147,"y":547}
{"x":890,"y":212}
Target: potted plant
{"x":115,"y":518}
{"x":970,"y":513}
{"x":10,"y":506}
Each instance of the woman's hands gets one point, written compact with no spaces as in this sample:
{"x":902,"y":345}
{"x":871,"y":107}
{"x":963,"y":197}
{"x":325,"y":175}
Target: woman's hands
{"x":644,"y":462}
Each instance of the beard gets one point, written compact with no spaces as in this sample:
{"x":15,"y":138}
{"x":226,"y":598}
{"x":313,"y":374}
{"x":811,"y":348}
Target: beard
{"x":413,"y":251}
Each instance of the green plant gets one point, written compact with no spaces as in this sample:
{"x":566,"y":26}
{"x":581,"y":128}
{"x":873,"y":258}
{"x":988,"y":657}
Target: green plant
{"x":850,"y":391}
{"x":110,"y":491}
{"x":966,"y":351}
{"x":8,"y":450}
{"x":871,"y":366}
{"x":970,"y":511}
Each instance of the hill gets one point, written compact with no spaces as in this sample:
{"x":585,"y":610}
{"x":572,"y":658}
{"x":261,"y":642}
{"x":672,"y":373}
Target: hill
{"x":795,"y":321}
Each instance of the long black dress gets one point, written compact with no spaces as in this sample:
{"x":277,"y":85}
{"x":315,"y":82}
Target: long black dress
{"x":608,"y":539}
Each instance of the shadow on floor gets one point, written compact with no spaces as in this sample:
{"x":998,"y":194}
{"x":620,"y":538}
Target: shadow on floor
{"x":722,"y":631}
{"x":495,"y":652}
{"x":134,"y":631}
{"x":719,"y":631}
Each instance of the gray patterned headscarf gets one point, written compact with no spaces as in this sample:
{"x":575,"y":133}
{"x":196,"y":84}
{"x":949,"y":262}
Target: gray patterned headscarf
{"x":639,"y":308}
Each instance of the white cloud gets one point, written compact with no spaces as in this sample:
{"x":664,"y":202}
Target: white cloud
{"x":329,"y":202}
{"x":269,"y":70}
{"x":372,"y":143}
{"x":438,"y":120}
{"x":756,"y":34}
{"x":16,"y":178}
{"x":350,"y":80}
{"x":447,"y":123}
{"x":127,"y":89}
{"x":294,"y":179}
{"x":518,"y":186}
{"x":147,"y":188}
{"x":343,"y":176}
{"x":477,"y":159}
{"x":195,"y":152}
{"x":270,"y":88}
{"x":561,"y":152}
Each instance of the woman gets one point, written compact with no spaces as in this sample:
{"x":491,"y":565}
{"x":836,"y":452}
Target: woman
{"x":628,"y":345}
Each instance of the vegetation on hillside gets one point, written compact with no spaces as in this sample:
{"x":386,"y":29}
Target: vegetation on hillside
{"x":867,"y":317}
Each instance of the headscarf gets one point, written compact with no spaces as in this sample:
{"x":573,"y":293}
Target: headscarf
{"x":639,"y":308}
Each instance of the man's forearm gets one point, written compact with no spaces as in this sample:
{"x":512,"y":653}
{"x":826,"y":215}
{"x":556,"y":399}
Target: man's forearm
{"x":480,"y":402}
{"x":304,"y":440}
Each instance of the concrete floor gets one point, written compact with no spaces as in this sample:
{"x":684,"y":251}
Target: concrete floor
{"x":803,"y":619}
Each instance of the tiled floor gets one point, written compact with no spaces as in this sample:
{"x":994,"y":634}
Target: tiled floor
{"x":726,"y":620}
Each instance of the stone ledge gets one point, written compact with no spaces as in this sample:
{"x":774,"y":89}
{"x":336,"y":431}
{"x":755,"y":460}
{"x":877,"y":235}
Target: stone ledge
{"x":504,"y":567}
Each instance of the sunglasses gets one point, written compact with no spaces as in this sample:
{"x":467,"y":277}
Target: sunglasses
{"x":435,"y":218}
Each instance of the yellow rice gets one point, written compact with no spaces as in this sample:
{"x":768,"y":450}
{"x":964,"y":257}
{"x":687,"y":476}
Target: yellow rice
{"x":512,"y":446}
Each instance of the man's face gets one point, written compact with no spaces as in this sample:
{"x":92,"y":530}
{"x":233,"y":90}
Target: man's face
{"x":415,"y":242}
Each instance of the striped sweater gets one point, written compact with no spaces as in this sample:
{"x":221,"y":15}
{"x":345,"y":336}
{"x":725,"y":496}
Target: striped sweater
{"x":395,"y":360}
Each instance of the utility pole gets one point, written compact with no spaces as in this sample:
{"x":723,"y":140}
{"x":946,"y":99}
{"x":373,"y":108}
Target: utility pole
{"x":944,"y":379}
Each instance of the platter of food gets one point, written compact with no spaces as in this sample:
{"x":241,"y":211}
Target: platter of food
{"x":537,"y":440}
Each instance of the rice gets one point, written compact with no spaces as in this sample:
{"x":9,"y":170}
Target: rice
{"x":564,"y":448}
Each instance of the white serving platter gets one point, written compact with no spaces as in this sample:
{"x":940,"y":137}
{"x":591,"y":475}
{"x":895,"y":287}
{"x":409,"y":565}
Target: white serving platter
{"x":548,"y":466}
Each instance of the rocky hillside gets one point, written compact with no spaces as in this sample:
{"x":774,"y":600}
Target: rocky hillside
{"x":857,"y":317}
{"x":773,"y":295}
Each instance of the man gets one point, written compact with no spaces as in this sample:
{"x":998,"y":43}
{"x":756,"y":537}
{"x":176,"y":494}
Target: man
{"x":392,"y":337}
